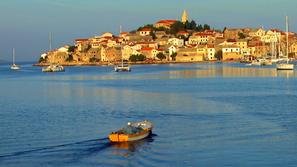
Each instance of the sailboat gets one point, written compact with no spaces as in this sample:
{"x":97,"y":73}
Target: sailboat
{"x":123,"y":67}
{"x":53,"y":67}
{"x":14,"y":66}
{"x":286,"y":65}
{"x":277,"y":55}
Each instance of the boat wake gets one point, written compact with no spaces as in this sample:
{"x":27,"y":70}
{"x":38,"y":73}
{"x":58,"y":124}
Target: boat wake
{"x":89,"y":146}
{"x":83,"y":152}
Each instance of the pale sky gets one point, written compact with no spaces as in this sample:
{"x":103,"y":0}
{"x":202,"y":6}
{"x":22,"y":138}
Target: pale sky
{"x":25,"y":24}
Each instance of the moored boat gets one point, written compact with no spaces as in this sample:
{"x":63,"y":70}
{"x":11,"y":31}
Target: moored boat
{"x":14,"y":66}
{"x":122,"y":67}
{"x":53,"y":68}
{"x":132,"y":132}
{"x":286,"y":65}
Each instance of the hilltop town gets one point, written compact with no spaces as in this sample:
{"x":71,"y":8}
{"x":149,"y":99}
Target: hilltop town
{"x":174,"y":41}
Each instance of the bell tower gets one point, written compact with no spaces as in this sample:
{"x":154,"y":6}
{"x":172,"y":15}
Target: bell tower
{"x":185,"y":16}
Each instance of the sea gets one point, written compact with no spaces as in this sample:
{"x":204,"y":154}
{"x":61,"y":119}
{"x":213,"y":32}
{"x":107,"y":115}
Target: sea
{"x":204,"y":114}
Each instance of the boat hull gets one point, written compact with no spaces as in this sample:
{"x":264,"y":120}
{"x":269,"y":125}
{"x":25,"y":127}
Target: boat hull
{"x":54,"y":68}
{"x":122,"y":69}
{"x":144,"y":129}
{"x":285,"y":66}
{"x":15,"y":68}
{"x":116,"y":137}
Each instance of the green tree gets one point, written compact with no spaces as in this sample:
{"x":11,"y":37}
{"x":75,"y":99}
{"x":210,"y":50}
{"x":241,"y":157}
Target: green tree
{"x":137,"y":57}
{"x":206,"y":27}
{"x":153,"y":35}
{"x":241,"y":35}
{"x":192,"y":25}
{"x":219,"y":55}
{"x":173,"y":56}
{"x":71,"y":48}
{"x":176,"y":27}
{"x":93,"y":60}
{"x":161,"y":56}
{"x":225,"y":28}
{"x":199,"y":28}
{"x":69,"y":58}
{"x":42,"y":60}
{"x":187,"y":25}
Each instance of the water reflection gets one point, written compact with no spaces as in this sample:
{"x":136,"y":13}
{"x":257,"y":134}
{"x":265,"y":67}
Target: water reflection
{"x":286,"y":73}
{"x":228,"y":72}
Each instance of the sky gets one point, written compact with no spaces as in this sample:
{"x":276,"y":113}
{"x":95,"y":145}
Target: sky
{"x":25,"y":24}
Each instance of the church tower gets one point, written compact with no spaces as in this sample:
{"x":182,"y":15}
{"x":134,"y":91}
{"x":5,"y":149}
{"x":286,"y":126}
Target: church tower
{"x":185,"y":16}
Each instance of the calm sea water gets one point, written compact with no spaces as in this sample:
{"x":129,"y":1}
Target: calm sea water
{"x":204,"y":115}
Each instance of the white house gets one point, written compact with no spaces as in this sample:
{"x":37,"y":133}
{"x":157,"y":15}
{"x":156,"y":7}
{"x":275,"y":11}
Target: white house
{"x":258,"y":32}
{"x":63,"y":49}
{"x":145,"y":31}
{"x":211,"y":51}
{"x":231,"y":52}
{"x":271,"y":36}
{"x":176,"y":42}
{"x":172,"y":49}
{"x":107,"y":35}
{"x":199,"y":38}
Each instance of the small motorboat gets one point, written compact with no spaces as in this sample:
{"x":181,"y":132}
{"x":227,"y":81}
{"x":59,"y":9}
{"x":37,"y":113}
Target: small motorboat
{"x":53,"y":68}
{"x":15,"y":67}
{"x":132,"y":132}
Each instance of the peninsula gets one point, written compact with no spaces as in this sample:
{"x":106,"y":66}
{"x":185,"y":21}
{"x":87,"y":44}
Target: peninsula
{"x":169,"y":41}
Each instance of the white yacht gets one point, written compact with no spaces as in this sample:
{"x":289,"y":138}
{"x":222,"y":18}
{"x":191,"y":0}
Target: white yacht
{"x":286,"y":65}
{"x":14,"y":66}
{"x":123,"y":67}
{"x":54,"y":67}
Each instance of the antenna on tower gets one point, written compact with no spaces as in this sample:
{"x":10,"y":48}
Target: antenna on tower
{"x":50,"y":41}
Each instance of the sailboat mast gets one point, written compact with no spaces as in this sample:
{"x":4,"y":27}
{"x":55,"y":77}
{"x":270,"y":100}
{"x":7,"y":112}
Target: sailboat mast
{"x":287,"y":37}
{"x":121,"y":47}
{"x":50,"y":41}
{"x":13,"y":56}
{"x":279,"y":46}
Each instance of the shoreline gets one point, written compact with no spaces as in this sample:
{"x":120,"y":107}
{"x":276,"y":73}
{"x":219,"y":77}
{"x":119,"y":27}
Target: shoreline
{"x":133,"y":63}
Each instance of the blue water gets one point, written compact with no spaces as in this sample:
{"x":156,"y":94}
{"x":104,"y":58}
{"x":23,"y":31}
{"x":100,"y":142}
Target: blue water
{"x":204,"y":115}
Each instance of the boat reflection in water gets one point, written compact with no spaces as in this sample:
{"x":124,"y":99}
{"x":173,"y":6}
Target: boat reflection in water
{"x":229,"y":72}
{"x":286,"y":73}
{"x":126,"y":149}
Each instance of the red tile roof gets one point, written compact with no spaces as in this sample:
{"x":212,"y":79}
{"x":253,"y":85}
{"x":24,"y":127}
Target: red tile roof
{"x":275,"y":30}
{"x":210,"y":46}
{"x":81,"y":40}
{"x":167,"y":21}
{"x":147,"y":49}
{"x":146,"y":29}
{"x":182,"y":32}
{"x":231,"y":40}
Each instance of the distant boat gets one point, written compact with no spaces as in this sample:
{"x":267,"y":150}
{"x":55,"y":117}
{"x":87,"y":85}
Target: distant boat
{"x":123,"y":67}
{"x":14,"y":66}
{"x":53,"y":67}
{"x":286,"y":65}
{"x":260,"y":62}
{"x":132,"y":132}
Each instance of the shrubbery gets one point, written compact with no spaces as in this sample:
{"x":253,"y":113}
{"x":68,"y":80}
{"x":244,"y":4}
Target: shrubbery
{"x":138,"y":57}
